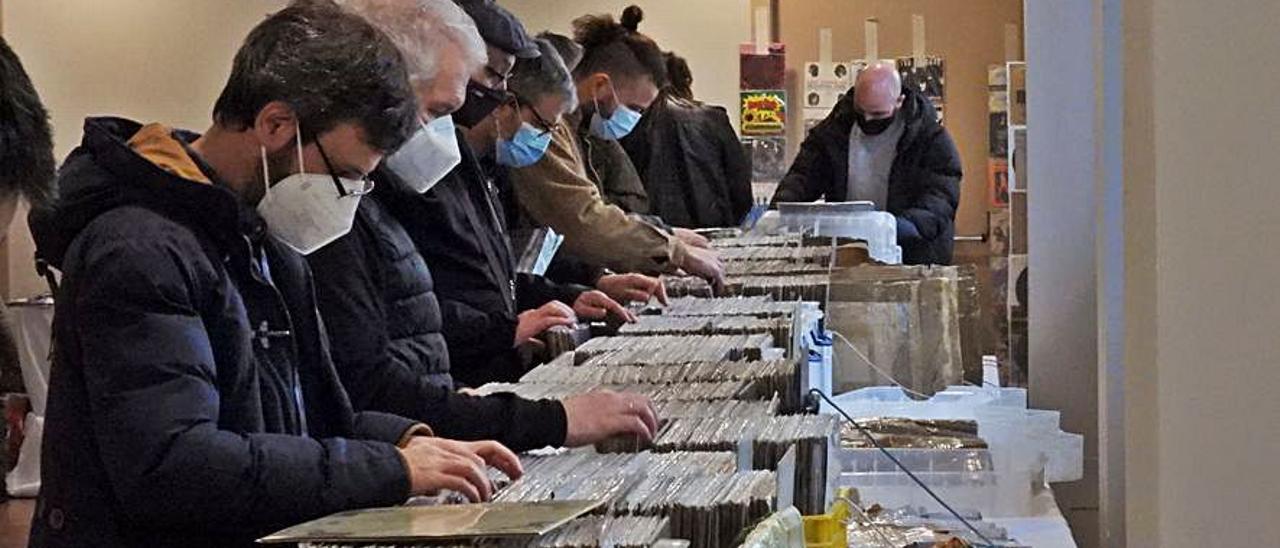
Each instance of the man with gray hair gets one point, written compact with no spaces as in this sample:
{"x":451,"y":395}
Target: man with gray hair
{"x":883,"y":143}
{"x":377,"y":295}
{"x":489,"y":309}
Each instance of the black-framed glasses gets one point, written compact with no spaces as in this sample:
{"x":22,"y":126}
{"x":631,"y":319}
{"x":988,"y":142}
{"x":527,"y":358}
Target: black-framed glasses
{"x":343,"y":192}
{"x":497,"y":77}
{"x":547,"y":127}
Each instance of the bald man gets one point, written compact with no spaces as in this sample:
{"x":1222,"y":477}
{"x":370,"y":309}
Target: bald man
{"x":883,"y":143}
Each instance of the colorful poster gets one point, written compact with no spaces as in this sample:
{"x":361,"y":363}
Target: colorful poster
{"x":998,"y":182}
{"x":764,"y":112}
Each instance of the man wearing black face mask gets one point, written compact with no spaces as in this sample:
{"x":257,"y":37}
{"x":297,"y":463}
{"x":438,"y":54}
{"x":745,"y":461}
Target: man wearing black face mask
{"x":883,"y":144}
{"x":487,"y":309}
{"x":389,"y":314}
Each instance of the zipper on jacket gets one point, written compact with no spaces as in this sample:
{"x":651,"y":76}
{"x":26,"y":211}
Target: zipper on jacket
{"x":591,"y":164}
{"x":489,"y":193}
{"x":262,"y":274}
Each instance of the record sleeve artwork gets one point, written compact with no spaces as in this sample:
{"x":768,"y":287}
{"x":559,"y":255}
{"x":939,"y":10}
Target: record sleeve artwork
{"x":928,"y":79}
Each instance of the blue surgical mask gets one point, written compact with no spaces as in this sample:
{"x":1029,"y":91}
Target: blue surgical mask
{"x":617,"y":125}
{"x":524,"y":148}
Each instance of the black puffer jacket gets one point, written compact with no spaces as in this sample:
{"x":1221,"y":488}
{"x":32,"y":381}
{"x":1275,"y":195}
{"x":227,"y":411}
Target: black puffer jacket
{"x":692,"y":164}
{"x":375,"y":277}
{"x":459,"y":229}
{"x":377,"y":298}
{"x":924,"y":182}
{"x":192,"y":400}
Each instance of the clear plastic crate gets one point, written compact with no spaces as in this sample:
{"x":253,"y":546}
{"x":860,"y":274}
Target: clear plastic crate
{"x":1026,"y":443}
{"x":965,"y":478}
{"x":860,"y":460}
{"x":991,"y":494}
{"x":878,"y":228}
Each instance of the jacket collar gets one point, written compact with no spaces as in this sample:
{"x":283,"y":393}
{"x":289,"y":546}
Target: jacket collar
{"x":917,"y":112}
{"x":161,"y":174}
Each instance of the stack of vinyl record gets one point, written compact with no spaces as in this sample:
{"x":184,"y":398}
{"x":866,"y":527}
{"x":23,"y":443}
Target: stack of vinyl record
{"x":701,"y":494}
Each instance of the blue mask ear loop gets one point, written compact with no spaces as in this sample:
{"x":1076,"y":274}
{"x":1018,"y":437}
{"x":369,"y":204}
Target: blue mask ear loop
{"x":596,"y":103}
{"x":497,"y":126}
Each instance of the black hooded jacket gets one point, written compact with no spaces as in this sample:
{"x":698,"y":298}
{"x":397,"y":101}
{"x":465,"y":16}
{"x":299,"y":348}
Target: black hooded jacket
{"x":192,"y":400}
{"x":378,"y":298}
{"x":692,"y":164}
{"x":924,"y":182}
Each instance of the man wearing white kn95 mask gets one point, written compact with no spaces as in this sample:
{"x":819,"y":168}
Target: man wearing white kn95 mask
{"x":375,"y":291}
{"x":193,"y":401}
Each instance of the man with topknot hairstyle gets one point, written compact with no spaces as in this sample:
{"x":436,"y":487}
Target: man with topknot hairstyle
{"x":585,"y":187}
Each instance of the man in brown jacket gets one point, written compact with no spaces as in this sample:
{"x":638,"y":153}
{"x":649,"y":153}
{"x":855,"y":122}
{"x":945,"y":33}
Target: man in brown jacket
{"x":618,"y":76}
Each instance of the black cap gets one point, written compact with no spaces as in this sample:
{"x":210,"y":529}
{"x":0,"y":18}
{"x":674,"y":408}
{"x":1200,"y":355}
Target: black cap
{"x":500,"y":28}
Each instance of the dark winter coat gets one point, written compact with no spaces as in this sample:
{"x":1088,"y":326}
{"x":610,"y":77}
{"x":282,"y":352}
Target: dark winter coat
{"x":458,"y":227}
{"x":924,"y":181}
{"x":382,"y":309}
{"x":692,"y":164}
{"x":192,"y":399}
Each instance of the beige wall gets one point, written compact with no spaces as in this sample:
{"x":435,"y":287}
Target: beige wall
{"x":706,"y":32}
{"x":1201,"y":165}
{"x":969,"y":35}
{"x":151,"y":60}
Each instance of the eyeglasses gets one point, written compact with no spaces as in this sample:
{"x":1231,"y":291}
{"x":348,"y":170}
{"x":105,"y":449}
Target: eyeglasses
{"x":343,"y":192}
{"x":547,"y":127}
{"x":498,"y":78}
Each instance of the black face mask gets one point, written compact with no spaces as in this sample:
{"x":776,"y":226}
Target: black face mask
{"x":481,"y":100}
{"x":875,"y":127}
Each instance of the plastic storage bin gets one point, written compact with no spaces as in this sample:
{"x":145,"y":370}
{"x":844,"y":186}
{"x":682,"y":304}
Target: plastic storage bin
{"x":1026,"y":449}
{"x":878,"y":228}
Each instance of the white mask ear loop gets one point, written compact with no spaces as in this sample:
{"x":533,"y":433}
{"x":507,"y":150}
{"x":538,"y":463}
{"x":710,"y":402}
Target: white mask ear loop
{"x":266,"y":175}
{"x":301,"y":166}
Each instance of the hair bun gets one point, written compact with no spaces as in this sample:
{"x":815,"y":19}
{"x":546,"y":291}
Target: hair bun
{"x":631,"y":18}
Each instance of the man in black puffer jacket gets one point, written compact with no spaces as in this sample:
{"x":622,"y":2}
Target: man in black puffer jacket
{"x":377,"y":293}
{"x":192,"y":400}
{"x":884,"y":144}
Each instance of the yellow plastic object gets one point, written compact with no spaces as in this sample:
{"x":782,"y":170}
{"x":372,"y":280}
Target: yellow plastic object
{"x":830,"y":530}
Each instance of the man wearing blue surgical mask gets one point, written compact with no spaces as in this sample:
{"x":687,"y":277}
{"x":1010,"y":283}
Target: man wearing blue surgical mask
{"x":585,"y":186}
{"x":385,"y":311}
{"x":488,"y":308}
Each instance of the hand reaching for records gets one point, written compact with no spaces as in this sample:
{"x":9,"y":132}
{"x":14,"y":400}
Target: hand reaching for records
{"x":705,"y":263}
{"x":603,"y":414}
{"x":595,"y":305}
{"x":691,"y":238}
{"x":628,"y":288}
{"x":436,"y":464}
{"x":532,"y":323}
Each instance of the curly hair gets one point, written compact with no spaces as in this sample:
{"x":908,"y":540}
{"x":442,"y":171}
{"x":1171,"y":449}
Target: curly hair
{"x":26,"y":140}
{"x":618,"y":48}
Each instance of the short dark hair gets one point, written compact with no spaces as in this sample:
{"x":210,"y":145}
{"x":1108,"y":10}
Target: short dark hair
{"x":617,"y":48}
{"x":26,"y":141}
{"x":331,"y":66}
